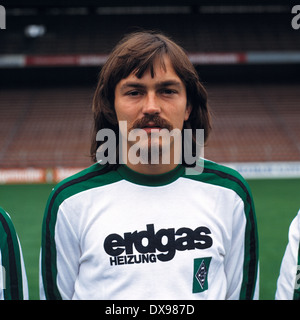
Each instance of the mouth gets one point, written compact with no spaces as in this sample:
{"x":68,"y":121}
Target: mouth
{"x":149,"y":127}
{"x":152,"y":124}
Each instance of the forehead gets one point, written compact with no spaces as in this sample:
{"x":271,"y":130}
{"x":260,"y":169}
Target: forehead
{"x":162,"y":71}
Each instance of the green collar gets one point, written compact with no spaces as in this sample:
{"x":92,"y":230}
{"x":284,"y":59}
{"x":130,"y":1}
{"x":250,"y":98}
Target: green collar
{"x":153,"y":180}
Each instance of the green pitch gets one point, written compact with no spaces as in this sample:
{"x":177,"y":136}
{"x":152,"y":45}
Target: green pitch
{"x":276,"y":202}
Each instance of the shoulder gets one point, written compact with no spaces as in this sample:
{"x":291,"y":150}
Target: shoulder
{"x":94,"y":176}
{"x":4,"y":215}
{"x":6,"y":225}
{"x":213,"y":173}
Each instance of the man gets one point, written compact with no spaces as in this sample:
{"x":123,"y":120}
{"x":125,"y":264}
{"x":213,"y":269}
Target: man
{"x":138,"y":226}
{"x":13,"y":280}
{"x":288,"y":284}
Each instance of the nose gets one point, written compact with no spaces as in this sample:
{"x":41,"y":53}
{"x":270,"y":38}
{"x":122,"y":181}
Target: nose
{"x":151,"y":104}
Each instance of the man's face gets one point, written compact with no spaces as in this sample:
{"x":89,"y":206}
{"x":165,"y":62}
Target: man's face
{"x":152,"y":104}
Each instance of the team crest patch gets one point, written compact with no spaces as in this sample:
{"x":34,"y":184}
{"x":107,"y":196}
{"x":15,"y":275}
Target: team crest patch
{"x":201,"y":266}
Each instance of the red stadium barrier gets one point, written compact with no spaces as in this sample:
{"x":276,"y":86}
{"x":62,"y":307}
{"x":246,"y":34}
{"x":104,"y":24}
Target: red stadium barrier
{"x":35,"y":175}
{"x":209,"y":58}
{"x":26,"y":175}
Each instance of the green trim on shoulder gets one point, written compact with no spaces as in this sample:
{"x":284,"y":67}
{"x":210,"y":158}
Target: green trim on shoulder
{"x":92,"y":177}
{"x":11,"y":259}
{"x":223,"y":176}
{"x":202,"y":170}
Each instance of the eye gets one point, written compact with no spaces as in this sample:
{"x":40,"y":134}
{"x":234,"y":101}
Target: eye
{"x":167,"y":91}
{"x":133,"y":93}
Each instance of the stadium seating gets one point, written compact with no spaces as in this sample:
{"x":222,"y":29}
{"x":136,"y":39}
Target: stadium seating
{"x":255,"y":123}
{"x":45,"y":127}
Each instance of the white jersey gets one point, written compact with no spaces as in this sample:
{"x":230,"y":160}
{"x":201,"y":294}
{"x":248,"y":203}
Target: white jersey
{"x":118,"y":234}
{"x":13,"y":280}
{"x":288,"y":283}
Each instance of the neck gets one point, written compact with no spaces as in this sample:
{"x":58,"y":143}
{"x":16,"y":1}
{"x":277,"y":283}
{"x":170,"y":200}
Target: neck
{"x":154,"y":165}
{"x":151,"y":168}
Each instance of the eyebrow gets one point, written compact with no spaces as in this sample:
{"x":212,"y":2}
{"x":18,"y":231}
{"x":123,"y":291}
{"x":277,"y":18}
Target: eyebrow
{"x":167,"y":83}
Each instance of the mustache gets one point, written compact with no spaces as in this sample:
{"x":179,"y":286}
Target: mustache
{"x":155,"y":119}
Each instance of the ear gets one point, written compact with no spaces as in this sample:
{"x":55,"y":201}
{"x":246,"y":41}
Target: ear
{"x":188,"y":111}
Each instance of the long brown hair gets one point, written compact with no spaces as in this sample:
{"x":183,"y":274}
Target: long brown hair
{"x":136,"y":53}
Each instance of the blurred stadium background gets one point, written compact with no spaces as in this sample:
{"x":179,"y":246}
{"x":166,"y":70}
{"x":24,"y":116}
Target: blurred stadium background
{"x":247,"y":55}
